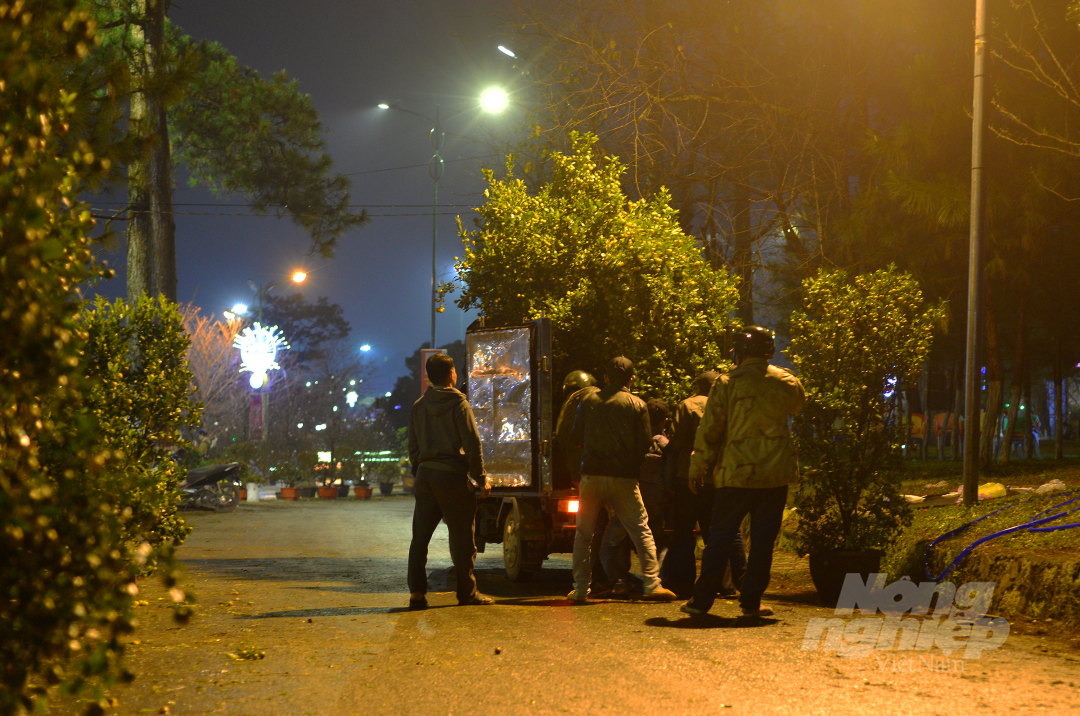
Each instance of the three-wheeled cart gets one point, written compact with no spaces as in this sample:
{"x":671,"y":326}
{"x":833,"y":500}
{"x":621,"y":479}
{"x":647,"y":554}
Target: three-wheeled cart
{"x":532,"y":509}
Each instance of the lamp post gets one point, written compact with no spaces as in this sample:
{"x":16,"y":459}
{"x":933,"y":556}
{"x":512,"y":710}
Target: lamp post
{"x":261,"y":290}
{"x":492,"y":100}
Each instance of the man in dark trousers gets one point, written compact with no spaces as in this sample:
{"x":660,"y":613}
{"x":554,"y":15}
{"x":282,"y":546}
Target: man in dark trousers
{"x":612,"y":426}
{"x":743,"y":446}
{"x":446,"y":458}
{"x":679,"y":571}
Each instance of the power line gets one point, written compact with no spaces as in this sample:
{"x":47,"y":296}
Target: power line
{"x":270,"y":216}
{"x":283,"y":206}
{"x":417,"y":166}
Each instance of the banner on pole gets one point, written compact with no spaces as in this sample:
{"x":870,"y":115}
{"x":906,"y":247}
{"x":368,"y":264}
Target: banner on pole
{"x":426,"y":353}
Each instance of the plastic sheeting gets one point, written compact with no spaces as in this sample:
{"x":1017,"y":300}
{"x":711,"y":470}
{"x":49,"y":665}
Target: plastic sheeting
{"x":500,"y":392}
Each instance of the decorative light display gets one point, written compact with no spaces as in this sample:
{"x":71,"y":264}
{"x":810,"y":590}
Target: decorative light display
{"x":351,"y":398}
{"x":258,"y":350}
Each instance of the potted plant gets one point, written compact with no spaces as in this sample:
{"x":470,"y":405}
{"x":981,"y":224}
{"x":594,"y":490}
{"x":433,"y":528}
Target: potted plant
{"x":306,"y":461}
{"x":855,"y":344}
{"x":386,"y":478}
{"x":289,"y":474}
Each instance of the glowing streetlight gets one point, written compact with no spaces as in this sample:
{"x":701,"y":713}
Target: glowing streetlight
{"x":299,"y":276}
{"x":365,"y":348}
{"x":351,"y":398}
{"x":494,"y":100}
{"x":507,"y":51}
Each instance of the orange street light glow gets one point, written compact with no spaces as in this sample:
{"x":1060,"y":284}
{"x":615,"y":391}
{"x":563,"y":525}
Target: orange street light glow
{"x":299,"y":276}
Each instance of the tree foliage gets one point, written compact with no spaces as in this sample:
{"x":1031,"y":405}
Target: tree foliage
{"x":615,"y":277}
{"x":312,"y":329}
{"x":237,"y":132}
{"x":216,"y":381}
{"x":856,"y":342}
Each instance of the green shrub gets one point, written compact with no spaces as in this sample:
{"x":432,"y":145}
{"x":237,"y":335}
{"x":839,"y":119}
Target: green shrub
{"x":851,"y":341}
{"x":66,"y":578}
{"x":614,"y":276}
{"x":136,"y":355}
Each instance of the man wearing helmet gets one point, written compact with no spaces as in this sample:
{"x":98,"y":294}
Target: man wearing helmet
{"x":744,"y":448}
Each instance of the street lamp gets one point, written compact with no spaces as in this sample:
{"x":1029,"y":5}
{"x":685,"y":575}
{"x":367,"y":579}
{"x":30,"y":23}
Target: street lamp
{"x":493,"y":100}
{"x":262,"y":289}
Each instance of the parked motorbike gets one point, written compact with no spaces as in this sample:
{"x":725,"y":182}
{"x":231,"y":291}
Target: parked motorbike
{"x":215,"y":487}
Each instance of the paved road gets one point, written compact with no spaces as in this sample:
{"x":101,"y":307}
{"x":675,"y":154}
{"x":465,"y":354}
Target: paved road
{"x":318,"y":587}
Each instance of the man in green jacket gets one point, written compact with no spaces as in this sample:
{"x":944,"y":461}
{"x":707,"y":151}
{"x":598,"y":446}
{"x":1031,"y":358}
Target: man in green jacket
{"x":447,"y":458}
{"x":743,"y":446}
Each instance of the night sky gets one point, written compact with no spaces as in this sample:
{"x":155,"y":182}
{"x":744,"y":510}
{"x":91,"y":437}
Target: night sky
{"x":350,"y":56}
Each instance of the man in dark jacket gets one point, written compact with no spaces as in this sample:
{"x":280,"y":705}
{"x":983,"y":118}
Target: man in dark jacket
{"x":446,"y":458}
{"x":679,"y":571}
{"x":612,"y":426}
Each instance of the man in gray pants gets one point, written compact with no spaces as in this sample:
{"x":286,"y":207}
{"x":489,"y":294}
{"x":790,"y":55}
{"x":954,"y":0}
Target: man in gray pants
{"x":445,"y":453}
{"x":612,"y":427}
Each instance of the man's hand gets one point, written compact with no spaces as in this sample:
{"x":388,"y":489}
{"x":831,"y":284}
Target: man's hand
{"x":485,"y":491}
{"x":694,"y":483}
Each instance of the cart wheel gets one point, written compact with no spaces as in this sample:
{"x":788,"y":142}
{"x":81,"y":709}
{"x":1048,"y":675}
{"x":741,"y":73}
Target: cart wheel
{"x":513,"y":549}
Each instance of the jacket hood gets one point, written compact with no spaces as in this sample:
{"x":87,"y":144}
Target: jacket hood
{"x":441,"y":400}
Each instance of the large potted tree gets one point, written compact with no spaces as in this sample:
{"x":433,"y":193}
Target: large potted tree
{"x":856,"y":342}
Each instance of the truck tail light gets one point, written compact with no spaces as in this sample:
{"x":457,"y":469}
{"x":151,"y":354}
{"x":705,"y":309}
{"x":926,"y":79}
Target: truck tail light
{"x":568,"y":505}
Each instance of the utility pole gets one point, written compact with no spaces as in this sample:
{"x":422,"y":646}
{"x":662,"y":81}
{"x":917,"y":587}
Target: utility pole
{"x":972,"y":372}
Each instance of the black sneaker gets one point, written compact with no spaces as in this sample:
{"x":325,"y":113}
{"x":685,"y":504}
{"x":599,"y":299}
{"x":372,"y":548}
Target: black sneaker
{"x":416,"y":604}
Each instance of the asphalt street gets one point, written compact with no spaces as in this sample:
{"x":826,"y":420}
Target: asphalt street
{"x":317,"y":589}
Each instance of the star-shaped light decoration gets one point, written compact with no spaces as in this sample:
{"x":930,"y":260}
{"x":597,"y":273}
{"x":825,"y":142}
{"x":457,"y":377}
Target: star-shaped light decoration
{"x":258,"y":352}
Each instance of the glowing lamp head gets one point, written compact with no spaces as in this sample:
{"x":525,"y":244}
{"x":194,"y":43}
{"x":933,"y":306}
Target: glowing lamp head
{"x":258,"y":352}
{"x":351,"y":398}
{"x":239,"y":308}
{"x":494,"y":100}
{"x":383,"y":105}
{"x":299,"y":276}
{"x":507,"y":51}
{"x":365,"y":348}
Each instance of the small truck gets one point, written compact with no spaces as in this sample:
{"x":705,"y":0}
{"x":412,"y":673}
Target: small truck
{"x":532,"y":509}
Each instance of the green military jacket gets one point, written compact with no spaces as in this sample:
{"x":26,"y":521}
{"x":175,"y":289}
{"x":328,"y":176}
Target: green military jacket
{"x":743,"y":439}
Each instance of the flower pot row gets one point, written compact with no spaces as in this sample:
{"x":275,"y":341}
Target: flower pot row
{"x":325,"y":493}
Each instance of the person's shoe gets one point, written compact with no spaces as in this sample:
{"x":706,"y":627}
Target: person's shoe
{"x":728,"y":594}
{"x":659,"y":595}
{"x":578,"y":597}
{"x":759,"y":612}
{"x":416,"y":604}
{"x":621,"y":589}
{"x":478,"y":599}
{"x":689,"y":608}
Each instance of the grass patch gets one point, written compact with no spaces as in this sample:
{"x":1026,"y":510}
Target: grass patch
{"x":906,"y":555}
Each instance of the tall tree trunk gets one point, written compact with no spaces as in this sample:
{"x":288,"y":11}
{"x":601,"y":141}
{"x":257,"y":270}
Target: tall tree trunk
{"x":151,"y":252}
{"x":924,"y":391}
{"x":138,"y":225}
{"x":163,"y":236}
{"x":993,"y":382}
{"x":1019,"y":366}
{"x":957,"y":441}
{"x":743,"y":254}
{"x":1059,"y":402}
{"x":1029,"y":432}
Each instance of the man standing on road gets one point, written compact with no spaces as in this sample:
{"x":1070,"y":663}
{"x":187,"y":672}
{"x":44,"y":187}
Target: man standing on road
{"x":445,"y":453}
{"x":612,"y":426}
{"x":678,"y":571}
{"x":743,"y":446}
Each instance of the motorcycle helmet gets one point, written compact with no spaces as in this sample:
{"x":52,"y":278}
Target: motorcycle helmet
{"x":754,"y":341}
{"x":576,"y":380}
